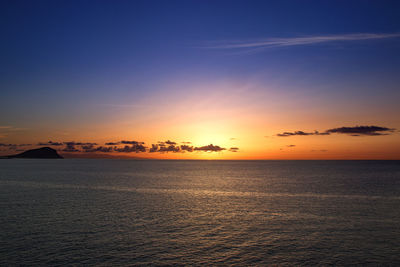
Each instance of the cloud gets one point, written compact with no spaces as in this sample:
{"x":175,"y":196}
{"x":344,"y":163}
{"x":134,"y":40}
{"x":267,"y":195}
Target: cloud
{"x":291,"y":145}
{"x":161,"y":143}
{"x":362,"y":130}
{"x":319,"y":133}
{"x":124,"y":142}
{"x":187,"y":148}
{"x":91,"y":148}
{"x":138,"y":147}
{"x":170,"y":148}
{"x":353,"y":131}
{"x":7,"y":145}
{"x":70,"y":147}
{"x":79,"y":143}
{"x":13,"y":146}
{"x":286,"y":134}
{"x":8,"y":128}
{"x":209,"y":148}
{"x":50,"y":143}
{"x":4,"y":129}
{"x":163,"y":148}
{"x":112,"y":143}
{"x":131,"y":142}
{"x":305,"y":40}
{"x":234,"y":149}
{"x":129,"y":147}
{"x":154,"y":148}
{"x":170,"y":142}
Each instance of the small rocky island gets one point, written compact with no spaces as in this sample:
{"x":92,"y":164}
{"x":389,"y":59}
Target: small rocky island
{"x":39,"y":153}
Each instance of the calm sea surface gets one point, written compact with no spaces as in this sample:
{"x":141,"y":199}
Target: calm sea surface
{"x":127,"y":212}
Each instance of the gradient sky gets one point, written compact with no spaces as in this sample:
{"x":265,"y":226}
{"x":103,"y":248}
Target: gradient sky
{"x":235,"y":74}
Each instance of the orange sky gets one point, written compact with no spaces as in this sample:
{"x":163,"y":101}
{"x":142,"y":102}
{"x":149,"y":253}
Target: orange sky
{"x":227,"y":115}
{"x":254,"y":86}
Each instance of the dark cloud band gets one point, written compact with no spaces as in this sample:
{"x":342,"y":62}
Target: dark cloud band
{"x":353,"y":131}
{"x":133,"y":147}
{"x":362,"y":130}
{"x":209,"y":148}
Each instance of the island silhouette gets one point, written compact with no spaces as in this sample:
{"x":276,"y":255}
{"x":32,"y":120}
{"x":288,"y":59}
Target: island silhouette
{"x":39,"y":153}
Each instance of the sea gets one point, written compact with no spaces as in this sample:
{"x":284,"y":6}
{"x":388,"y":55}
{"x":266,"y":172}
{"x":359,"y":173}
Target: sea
{"x":109,"y":212}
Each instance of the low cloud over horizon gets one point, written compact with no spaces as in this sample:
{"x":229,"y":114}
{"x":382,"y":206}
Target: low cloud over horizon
{"x":128,"y":147}
{"x":352,"y":131}
{"x":286,"y":134}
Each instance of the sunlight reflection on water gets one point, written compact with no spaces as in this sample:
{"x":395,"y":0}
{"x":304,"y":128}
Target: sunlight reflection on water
{"x":117,"y":212}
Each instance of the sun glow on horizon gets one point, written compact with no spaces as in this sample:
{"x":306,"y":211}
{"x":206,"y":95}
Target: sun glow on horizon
{"x":149,"y":86}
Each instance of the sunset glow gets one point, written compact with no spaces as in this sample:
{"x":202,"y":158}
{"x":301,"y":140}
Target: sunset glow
{"x":236,"y":88}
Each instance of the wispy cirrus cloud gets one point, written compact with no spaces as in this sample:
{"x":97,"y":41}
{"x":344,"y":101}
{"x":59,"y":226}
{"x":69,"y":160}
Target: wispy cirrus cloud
{"x":11,"y":128}
{"x":6,"y":130}
{"x":297,"y":41}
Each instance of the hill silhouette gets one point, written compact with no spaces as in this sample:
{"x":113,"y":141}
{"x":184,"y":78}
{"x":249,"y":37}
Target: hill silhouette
{"x":39,"y":153}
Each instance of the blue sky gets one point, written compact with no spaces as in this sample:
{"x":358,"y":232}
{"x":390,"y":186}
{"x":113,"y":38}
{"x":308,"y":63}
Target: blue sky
{"x":62,"y":60}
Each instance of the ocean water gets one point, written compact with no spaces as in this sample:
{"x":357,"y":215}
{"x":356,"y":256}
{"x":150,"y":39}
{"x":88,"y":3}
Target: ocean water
{"x":244,"y":213}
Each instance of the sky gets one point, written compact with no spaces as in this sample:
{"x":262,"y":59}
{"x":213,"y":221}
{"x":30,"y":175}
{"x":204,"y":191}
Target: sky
{"x":201,"y":79}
